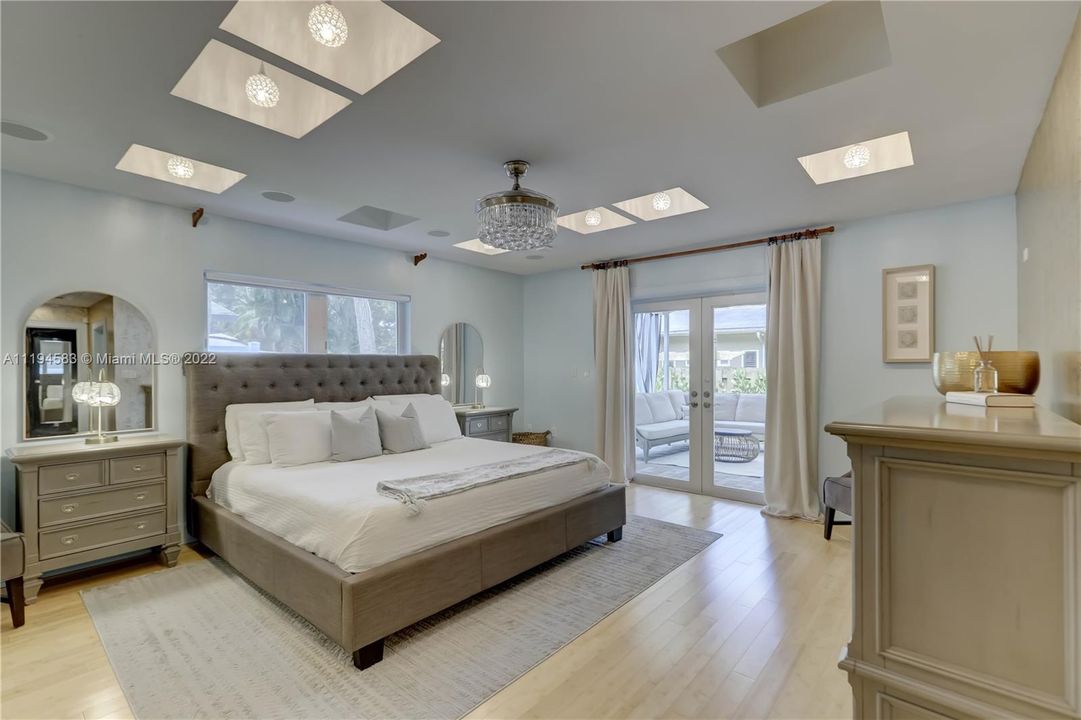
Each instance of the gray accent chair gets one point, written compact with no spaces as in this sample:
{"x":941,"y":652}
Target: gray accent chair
{"x":837,"y":496}
{"x":12,"y":565}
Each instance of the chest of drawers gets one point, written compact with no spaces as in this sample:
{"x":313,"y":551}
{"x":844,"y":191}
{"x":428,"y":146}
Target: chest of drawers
{"x":79,"y":503}
{"x":488,"y":423}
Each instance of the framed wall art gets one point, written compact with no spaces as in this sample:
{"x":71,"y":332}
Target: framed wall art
{"x":908,"y":314}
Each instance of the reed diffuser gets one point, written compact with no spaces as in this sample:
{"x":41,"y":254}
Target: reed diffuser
{"x":984,"y":375}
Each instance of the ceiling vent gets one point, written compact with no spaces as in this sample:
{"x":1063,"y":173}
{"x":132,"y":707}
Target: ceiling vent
{"x":377,"y":218}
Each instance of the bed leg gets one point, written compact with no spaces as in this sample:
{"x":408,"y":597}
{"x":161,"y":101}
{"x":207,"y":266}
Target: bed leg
{"x":615,"y":535}
{"x":368,"y":655}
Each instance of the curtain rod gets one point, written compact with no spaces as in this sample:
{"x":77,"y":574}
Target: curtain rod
{"x":810,"y":232}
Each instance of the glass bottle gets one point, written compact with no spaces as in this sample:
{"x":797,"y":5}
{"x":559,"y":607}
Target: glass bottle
{"x":985,"y":377}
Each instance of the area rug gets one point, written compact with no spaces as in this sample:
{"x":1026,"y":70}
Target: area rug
{"x":199,"y":641}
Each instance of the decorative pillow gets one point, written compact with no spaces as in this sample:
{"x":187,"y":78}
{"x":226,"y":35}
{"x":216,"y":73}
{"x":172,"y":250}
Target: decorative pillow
{"x":298,"y":438}
{"x":400,"y":433}
{"x":356,"y":405}
{"x":642,"y":415}
{"x":248,"y":413}
{"x":354,"y":435}
{"x":660,"y":407}
{"x":679,"y":401}
{"x":437,"y":419}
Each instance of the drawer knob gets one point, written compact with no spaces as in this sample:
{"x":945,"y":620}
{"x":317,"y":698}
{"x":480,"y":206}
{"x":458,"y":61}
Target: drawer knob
{"x":69,"y":539}
{"x":140,"y":526}
{"x":137,"y":467}
{"x":71,"y":476}
{"x":69,"y":508}
{"x":140,"y":496}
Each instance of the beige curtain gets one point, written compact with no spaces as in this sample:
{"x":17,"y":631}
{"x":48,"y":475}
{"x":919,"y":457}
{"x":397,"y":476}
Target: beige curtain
{"x":612,"y":347}
{"x":792,"y":345}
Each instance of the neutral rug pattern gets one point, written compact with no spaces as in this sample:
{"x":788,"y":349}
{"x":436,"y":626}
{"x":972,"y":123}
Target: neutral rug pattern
{"x":198,"y":641}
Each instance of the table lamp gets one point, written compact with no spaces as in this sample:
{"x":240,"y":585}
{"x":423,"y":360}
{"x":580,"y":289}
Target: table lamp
{"x":97,"y":394}
{"x":483,"y":382}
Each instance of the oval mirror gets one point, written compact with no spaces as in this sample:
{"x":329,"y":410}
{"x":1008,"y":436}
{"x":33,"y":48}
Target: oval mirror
{"x":81,"y":337}
{"x":461,"y":354}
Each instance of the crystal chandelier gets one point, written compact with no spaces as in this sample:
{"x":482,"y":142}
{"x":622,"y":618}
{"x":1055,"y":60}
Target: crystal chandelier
{"x":593,"y":218}
{"x":261,"y":90}
{"x":327,"y":25}
{"x":180,"y":167}
{"x":517,"y":219}
{"x":662,"y":201}
{"x":857,"y":156}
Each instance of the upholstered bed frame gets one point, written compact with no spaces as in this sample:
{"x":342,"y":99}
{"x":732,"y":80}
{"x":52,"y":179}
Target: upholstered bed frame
{"x":359,"y":610}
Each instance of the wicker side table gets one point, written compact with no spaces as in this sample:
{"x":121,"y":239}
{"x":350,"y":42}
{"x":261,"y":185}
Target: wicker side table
{"x":734,"y":446}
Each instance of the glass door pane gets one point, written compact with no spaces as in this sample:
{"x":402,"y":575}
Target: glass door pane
{"x":666,"y":353}
{"x":734,"y":366}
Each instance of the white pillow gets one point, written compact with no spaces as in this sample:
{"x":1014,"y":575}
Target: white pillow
{"x":234,"y":413}
{"x":436,"y":415}
{"x":403,"y":399}
{"x":343,"y":406}
{"x":298,"y":438}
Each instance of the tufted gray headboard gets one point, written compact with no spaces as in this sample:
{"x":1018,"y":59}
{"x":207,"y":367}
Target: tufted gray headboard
{"x":248,"y":378}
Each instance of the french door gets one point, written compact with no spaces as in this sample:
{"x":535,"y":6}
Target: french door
{"x":700,"y":395}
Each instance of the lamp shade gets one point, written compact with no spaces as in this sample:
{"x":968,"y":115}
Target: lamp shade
{"x":483,"y":381}
{"x":96,"y":393}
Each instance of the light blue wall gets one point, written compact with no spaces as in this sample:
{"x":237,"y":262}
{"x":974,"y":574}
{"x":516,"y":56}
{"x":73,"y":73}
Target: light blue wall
{"x":972,"y":246}
{"x":60,"y":238}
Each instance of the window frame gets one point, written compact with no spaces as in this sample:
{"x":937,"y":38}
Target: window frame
{"x":311,"y":291}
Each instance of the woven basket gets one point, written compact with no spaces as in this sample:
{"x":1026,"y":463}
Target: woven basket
{"x":532,"y":438}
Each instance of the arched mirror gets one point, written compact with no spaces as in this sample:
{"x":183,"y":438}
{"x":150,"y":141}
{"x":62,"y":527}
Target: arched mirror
{"x":84,"y":337}
{"x":461,"y":354}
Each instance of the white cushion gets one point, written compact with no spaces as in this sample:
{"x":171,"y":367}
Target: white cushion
{"x":343,"y":406}
{"x":298,"y":438}
{"x":400,"y":433}
{"x":661,"y":407}
{"x":724,"y":406}
{"x":354,"y":434}
{"x":235,"y":414}
{"x":679,"y":401}
{"x":642,"y":415}
{"x":437,"y":419}
{"x":403,"y":399}
{"x":752,"y":408}
{"x":664,"y":430}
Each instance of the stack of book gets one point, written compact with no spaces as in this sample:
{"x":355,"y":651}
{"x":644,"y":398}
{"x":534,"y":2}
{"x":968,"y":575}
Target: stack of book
{"x":986,"y":399}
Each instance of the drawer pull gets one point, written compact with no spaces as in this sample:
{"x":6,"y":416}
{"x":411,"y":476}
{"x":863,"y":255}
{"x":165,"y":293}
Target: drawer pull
{"x":69,"y":508}
{"x":140,"y":525}
{"x":71,"y":476}
{"x":137,"y":467}
{"x":140,"y":496}
{"x":69,"y":539}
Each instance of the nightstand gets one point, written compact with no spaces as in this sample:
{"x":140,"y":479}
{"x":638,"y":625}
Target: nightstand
{"x":80,"y":503}
{"x":487,"y":423}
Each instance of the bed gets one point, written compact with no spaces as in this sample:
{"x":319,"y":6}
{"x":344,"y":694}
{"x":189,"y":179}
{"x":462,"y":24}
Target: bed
{"x":396,"y":575}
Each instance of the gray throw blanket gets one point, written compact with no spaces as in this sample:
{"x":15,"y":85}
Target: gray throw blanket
{"x":413,"y":492}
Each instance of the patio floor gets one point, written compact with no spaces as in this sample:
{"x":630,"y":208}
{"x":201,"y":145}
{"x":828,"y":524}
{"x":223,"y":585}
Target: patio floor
{"x":673,"y":461}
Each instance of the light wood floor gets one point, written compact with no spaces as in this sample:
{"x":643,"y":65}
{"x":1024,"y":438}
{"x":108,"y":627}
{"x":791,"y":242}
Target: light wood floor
{"x":752,"y":627}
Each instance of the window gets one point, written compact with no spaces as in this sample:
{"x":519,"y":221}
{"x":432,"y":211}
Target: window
{"x":750,"y":359}
{"x":246,"y":314}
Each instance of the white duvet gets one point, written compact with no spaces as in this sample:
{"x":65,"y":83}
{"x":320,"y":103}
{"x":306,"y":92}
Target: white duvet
{"x":333,"y":510}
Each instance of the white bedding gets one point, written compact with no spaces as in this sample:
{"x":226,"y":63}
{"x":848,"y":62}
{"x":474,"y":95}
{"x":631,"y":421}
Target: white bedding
{"x":333,"y":510}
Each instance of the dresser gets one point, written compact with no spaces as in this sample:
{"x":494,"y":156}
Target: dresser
{"x":488,"y":423}
{"x":966,"y":561}
{"x":79,"y":503}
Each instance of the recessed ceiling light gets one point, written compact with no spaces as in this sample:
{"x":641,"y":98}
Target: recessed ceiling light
{"x":278,"y":196}
{"x":848,"y":161}
{"x":381,"y":40}
{"x":217,"y":79}
{"x":477,"y":246}
{"x":23,"y":132}
{"x":180,"y":167}
{"x":662,"y":204}
{"x":593,"y":218}
{"x":857,"y":156}
{"x":151,"y":163}
{"x":327,"y":25}
{"x":261,"y":90}
{"x":439,"y":233}
{"x":579,"y":222}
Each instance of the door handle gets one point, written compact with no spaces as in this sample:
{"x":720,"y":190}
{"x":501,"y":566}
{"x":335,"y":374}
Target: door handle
{"x":705,"y":393}
{"x":706,"y":405}
{"x":694,"y":404}
{"x":694,"y":393}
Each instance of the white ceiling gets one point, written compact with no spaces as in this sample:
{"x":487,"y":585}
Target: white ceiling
{"x":607,"y":100}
